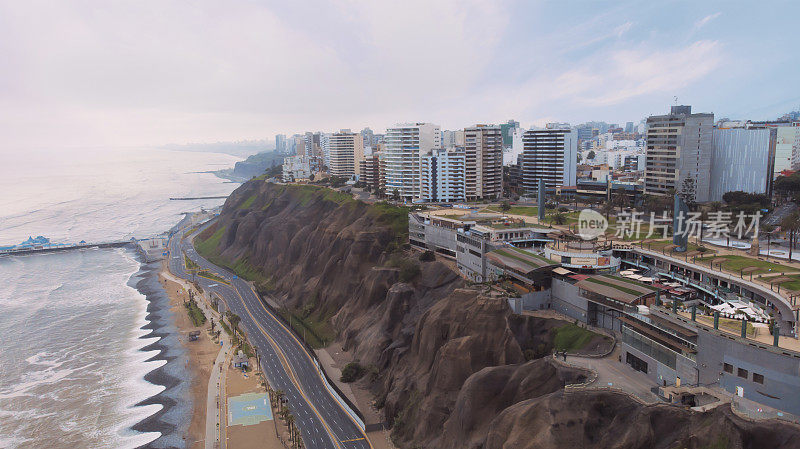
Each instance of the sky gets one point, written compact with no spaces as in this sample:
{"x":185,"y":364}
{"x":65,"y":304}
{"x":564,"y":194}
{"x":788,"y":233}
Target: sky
{"x":89,"y":73}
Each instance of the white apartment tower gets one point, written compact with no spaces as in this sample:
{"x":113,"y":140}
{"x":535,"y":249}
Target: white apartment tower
{"x":483,"y":147}
{"x":442,"y":176}
{"x":346,"y":149}
{"x":678,"y":147}
{"x":549,"y":154}
{"x":404,"y":146}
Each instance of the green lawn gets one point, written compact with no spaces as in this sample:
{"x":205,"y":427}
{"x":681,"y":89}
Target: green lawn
{"x":794,"y":284}
{"x":209,"y":275}
{"x":195,"y":314}
{"x":736,"y":263}
{"x":572,"y":338}
{"x":660,"y":244}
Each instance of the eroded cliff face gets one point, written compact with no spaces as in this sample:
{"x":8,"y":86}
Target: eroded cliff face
{"x":449,"y":358}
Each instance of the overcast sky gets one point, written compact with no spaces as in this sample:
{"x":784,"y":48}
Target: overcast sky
{"x":93,"y":73}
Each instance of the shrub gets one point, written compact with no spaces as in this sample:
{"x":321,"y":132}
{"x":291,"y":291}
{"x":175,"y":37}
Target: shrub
{"x":427,"y":256}
{"x":352,"y":372}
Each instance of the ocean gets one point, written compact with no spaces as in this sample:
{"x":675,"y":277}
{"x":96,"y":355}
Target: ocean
{"x":90,"y":357}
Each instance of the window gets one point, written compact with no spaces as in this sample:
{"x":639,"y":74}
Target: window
{"x":758,"y":378}
{"x":728,"y":368}
{"x":742,"y":373}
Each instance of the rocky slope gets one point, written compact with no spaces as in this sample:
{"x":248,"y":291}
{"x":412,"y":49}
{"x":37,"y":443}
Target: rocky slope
{"x":447,"y":360}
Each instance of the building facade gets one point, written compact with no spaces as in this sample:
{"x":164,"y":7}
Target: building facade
{"x":297,"y":168}
{"x":678,"y":147}
{"x":742,"y":160}
{"x":404,"y":146}
{"x":345,"y":149}
{"x":549,"y":154}
{"x":442,"y":176}
{"x":483,"y":147}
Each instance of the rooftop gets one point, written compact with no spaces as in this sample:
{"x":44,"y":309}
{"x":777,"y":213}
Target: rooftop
{"x":614,"y":287}
{"x":518,"y":259}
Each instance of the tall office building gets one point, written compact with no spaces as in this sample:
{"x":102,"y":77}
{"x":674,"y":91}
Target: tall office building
{"x":483,"y":145}
{"x":678,"y":147}
{"x":742,"y":159}
{"x":550,"y":154}
{"x":508,"y":129}
{"x":346,"y":149}
{"x":442,"y":176}
{"x":404,"y":146}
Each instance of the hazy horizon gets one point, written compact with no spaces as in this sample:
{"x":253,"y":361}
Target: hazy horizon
{"x":100,"y":74}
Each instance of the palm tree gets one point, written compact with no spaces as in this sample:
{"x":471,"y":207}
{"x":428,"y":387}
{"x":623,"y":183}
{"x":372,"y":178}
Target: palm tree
{"x":791,"y":224}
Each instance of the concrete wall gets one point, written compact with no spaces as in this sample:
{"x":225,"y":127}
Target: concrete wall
{"x":566,"y":298}
{"x":781,"y":387}
{"x":537,"y":300}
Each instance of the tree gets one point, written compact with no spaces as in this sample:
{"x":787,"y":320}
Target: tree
{"x":607,"y":208}
{"x":791,"y":224}
{"x":559,"y":218}
{"x":505,"y":207}
{"x":311,"y":177}
{"x":591,"y":155}
{"x":396,"y":194}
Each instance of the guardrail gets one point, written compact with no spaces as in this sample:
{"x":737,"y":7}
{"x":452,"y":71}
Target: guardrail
{"x":337,"y":394}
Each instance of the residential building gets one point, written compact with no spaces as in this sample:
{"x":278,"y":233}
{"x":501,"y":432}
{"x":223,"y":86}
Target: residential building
{"x":346,"y":149}
{"x":483,"y":145}
{"x":452,"y":138}
{"x":679,"y":148}
{"x":404,"y":146}
{"x":325,"y":148}
{"x":550,"y":154}
{"x":442,"y":176}
{"x":369,"y":171}
{"x":280,"y":143}
{"x":299,"y":145}
{"x":298,"y":168}
{"x":367,"y":137}
{"x":743,"y":159}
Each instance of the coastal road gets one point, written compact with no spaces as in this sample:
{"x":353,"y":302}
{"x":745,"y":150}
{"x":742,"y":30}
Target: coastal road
{"x":323,"y":421}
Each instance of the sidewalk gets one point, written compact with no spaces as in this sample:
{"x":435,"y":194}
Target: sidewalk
{"x":613,"y":374}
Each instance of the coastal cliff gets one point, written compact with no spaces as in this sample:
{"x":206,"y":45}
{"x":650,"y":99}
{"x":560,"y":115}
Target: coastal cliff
{"x":446,"y":361}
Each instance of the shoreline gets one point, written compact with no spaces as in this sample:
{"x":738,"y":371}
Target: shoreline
{"x":171,"y":421}
{"x":200,"y":357}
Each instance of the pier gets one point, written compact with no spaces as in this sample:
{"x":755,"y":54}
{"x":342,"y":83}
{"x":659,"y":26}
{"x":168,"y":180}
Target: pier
{"x":189,"y":198}
{"x":151,"y":248}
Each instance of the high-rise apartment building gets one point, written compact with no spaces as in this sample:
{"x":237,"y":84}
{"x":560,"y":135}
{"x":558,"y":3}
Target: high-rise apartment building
{"x":346,"y":149}
{"x":742,"y":159}
{"x":280,"y":143}
{"x":404,"y":146}
{"x":550,"y":154}
{"x":369,"y":169}
{"x":367,"y":137}
{"x":299,"y":145}
{"x":452,"y":138}
{"x":325,"y":148}
{"x":678,"y":148}
{"x":442,"y":176}
{"x":483,"y":148}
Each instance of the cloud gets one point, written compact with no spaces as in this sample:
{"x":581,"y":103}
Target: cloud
{"x":702,"y":22}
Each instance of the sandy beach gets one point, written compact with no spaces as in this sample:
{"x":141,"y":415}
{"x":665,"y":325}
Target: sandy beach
{"x":201,"y":358}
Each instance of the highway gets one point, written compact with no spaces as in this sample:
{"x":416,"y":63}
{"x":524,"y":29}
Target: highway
{"x":322,"y":420}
